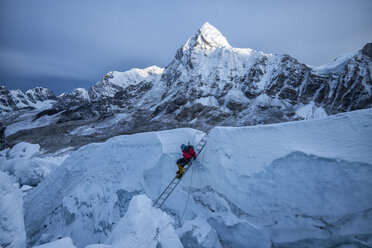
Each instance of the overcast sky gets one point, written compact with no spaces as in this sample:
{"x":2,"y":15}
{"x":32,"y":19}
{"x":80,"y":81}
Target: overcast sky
{"x":67,"y":44}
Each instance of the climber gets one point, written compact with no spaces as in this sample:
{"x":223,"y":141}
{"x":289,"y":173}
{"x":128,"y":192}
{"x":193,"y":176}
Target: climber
{"x":188,"y":153}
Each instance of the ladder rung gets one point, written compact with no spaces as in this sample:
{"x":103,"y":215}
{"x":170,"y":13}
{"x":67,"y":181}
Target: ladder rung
{"x":175,"y":181}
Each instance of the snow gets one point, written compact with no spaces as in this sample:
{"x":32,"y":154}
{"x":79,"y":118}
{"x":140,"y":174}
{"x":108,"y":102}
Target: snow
{"x":60,"y":243}
{"x":208,"y":101}
{"x":81,"y":93}
{"x":32,"y":98}
{"x":25,"y":119}
{"x":291,"y":184}
{"x":114,"y":79}
{"x":99,"y":127}
{"x":210,"y":35}
{"x":12,"y":230}
{"x":337,"y":65}
{"x":42,"y":105}
{"x":263,"y":100}
{"x":236,"y":96}
{"x":310,"y":111}
{"x":17,"y":96}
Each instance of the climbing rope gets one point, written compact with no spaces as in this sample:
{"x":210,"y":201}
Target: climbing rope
{"x":188,"y":195}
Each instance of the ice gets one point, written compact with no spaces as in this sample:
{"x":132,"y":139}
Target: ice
{"x":12,"y":230}
{"x":28,"y":164}
{"x":60,"y":243}
{"x":144,"y":226}
{"x":92,"y":188}
{"x":198,"y":232}
{"x":298,"y":184}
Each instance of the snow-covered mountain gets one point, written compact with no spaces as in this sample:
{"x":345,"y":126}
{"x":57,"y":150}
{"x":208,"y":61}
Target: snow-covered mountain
{"x":297,"y":184}
{"x":114,"y":81}
{"x":211,"y":83}
{"x":208,"y":83}
{"x":36,"y":98}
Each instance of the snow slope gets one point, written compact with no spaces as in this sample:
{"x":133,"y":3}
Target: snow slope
{"x":298,"y":184}
{"x":335,"y":66}
{"x":25,"y":118}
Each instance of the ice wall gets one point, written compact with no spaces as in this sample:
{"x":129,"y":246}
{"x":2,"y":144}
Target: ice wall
{"x":12,"y":229}
{"x":304,"y":183}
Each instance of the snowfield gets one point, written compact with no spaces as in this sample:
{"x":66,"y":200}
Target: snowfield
{"x":297,"y":184}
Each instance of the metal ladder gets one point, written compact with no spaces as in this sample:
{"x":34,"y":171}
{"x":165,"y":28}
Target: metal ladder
{"x":173,"y":184}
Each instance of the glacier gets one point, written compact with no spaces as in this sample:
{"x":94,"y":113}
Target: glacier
{"x":298,"y":184}
{"x":28,"y":164}
{"x":12,"y":229}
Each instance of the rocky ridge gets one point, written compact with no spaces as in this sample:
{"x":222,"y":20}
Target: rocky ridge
{"x":15,"y":100}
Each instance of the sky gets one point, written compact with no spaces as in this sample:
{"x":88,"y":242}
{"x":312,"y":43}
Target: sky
{"x":63,"y":45}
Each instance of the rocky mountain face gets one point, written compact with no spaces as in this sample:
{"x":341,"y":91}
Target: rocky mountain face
{"x":211,"y":83}
{"x":15,"y":100}
{"x":3,"y":143}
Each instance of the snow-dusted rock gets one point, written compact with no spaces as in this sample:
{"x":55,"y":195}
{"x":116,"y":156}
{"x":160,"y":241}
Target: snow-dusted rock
{"x":15,"y":100}
{"x":12,"y":229}
{"x":40,"y":94}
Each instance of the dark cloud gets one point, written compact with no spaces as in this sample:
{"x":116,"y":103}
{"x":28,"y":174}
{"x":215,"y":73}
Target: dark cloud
{"x":67,"y":44}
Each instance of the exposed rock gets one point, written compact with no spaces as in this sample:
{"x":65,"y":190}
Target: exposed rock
{"x":367,"y":50}
{"x":3,"y":143}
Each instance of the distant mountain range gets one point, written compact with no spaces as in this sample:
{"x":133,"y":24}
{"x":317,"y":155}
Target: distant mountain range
{"x":208,"y":83}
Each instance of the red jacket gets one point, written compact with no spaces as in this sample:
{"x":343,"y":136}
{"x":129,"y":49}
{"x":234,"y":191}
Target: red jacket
{"x":189,"y":154}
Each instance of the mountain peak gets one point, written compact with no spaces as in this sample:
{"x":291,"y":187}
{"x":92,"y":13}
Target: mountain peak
{"x":207,"y":36}
{"x":212,"y":36}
